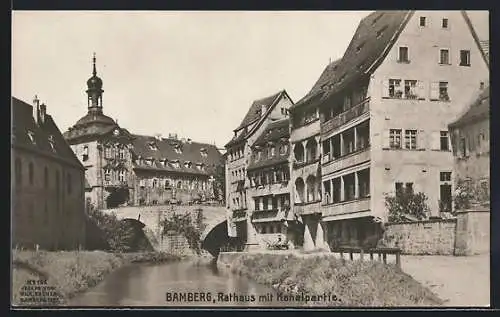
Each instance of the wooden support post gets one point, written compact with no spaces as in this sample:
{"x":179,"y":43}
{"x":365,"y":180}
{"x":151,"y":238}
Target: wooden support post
{"x":398,"y":259}
{"x":379,"y":256}
{"x":351,"y":257}
{"x":371,"y":255}
{"x":385,"y":258}
{"x":361,"y":255}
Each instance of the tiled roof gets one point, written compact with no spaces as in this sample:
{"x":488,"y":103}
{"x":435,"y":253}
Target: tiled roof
{"x":253,"y":114}
{"x":479,"y":109}
{"x":43,"y":134}
{"x":327,"y":76}
{"x":274,"y":131}
{"x":368,"y":46}
{"x":165,"y":148}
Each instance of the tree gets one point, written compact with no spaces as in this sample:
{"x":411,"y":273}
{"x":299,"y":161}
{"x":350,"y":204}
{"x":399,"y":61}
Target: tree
{"x":185,"y":224}
{"x":219,"y":186}
{"x":406,"y":205}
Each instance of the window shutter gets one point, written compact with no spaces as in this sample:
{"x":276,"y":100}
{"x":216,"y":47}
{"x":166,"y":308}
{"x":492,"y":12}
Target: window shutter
{"x":386,"y":139}
{"x":421,"y":139}
{"x":421,"y":90}
{"x":434,"y":90}
{"x":385,"y":88}
{"x":435,"y":140}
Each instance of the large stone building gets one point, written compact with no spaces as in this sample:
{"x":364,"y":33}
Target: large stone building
{"x":383,"y":119}
{"x":47,"y":189}
{"x":239,"y":150}
{"x":470,"y":136}
{"x":123,"y":168}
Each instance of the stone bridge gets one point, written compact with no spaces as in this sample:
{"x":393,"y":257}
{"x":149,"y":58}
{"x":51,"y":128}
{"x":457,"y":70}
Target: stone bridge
{"x":213,"y":236}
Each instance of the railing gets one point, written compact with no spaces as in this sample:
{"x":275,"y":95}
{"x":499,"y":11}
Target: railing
{"x":381,"y":252}
{"x":346,"y":116}
{"x":239,"y":213}
{"x":232,"y":248}
{"x":115,"y":183}
{"x":298,"y":164}
{"x":266,"y":213}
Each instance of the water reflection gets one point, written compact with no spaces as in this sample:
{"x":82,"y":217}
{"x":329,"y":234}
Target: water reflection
{"x":175,"y":284}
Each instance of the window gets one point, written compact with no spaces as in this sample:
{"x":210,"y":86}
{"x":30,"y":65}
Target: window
{"x":395,"y":138}
{"x":445,"y":176}
{"x":395,"y":88}
{"x":422,"y":21}
{"x":283,"y":149}
{"x":85,"y":155}
{"x":409,"y":188}
{"x":121,"y":175}
{"x":272,"y":151}
{"x":444,"y":23}
{"x":121,"y":153}
{"x":46,"y":177}
{"x":155,"y":183}
{"x":107,"y":152}
{"x":444,"y":141}
{"x":179,"y":184}
{"x":399,"y":188}
{"x":410,"y":89}
{"x":444,"y":56}
{"x":411,"y":139}
{"x":464,"y":58}
{"x":443,"y":91}
{"x":31,"y":173}
{"x":142,"y":183}
{"x":69,"y":185}
{"x":481,"y":85}
{"x":107,"y":175}
{"x":463,"y":147}
{"x":403,"y":55}
{"x":18,"y":171}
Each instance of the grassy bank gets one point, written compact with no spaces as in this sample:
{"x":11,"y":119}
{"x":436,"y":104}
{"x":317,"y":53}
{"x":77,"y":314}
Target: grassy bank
{"x":354,"y":283}
{"x":73,"y":271}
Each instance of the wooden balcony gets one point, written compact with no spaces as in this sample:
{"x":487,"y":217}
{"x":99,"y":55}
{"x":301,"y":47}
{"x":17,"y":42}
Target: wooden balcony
{"x":345,"y":117}
{"x":307,"y":208}
{"x":347,"y":207}
{"x":351,"y":159}
{"x":115,"y":183}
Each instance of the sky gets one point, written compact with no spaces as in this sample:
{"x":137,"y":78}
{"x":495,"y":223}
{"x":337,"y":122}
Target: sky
{"x":191,"y":73}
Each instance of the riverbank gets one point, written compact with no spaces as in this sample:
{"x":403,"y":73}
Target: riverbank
{"x":69,"y":272}
{"x":349,"y":283}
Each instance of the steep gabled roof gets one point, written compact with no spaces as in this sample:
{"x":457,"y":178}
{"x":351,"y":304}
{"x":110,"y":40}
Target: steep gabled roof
{"x":254,"y":113}
{"x":23,"y":125}
{"x":478,"y":110}
{"x":370,"y":44}
{"x":326,"y":77}
{"x":166,"y":149}
{"x":274,"y":131}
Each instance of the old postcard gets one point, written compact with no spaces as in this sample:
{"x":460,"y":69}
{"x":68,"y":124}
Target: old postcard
{"x":250,"y":159}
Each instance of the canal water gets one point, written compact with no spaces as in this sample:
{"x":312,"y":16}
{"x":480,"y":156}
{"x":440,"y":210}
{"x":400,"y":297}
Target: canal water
{"x":177,"y":284}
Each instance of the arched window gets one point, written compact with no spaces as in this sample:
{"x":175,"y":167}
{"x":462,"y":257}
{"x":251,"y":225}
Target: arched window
{"x":299,"y":190}
{"x":298,"y":150}
{"x":31,"y":173}
{"x":311,"y":150}
{"x":19,"y":171}
{"x":179,"y":184}
{"x":167,"y":184}
{"x":311,"y":183}
{"x":85,"y":155}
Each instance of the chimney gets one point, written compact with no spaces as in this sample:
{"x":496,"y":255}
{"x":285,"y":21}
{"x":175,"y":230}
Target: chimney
{"x":43,"y":112}
{"x":263,"y":110}
{"x":36,"y":109}
{"x":189,"y":141}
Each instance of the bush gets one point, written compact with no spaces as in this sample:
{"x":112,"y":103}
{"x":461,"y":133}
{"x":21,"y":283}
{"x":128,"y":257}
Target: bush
{"x":185,"y":224}
{"x":354,"y":283}
{"x":407,"y":204}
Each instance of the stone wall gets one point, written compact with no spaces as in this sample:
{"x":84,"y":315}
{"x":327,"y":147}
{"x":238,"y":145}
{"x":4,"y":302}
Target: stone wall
{"x":433,"y":237}
{"x":467,"y":234}
{"x":473,"y":232}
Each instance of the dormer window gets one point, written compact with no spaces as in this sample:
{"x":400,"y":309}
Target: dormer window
{"x":52,"y":142}
{"x":31,"y":135}
{"x":153,"y":146}
{"x":178,"y":149}
{"x":85,"y":154}
{"x":200,"y":166}
{"x":187,"y":164}
{"x":164,"y":162}
{"x":176,"y":164}
{"x":203,"y":152}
